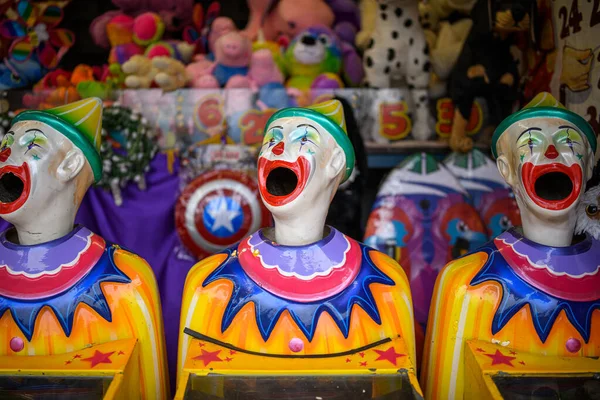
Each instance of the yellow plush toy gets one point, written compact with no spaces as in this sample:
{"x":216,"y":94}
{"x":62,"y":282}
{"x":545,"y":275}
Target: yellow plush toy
{"x":171,"y":73}
{"x":140,"y":72}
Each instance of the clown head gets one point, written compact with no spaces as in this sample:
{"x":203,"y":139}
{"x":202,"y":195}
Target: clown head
{"x":48,"y":159}
{"x":304,"y":157}
{"x":545,"y":153}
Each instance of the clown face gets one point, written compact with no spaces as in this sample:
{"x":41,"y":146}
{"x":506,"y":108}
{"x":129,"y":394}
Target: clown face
{"x":299,"y":159}
{"x":547,"y":162}
{"x":34,"y":166}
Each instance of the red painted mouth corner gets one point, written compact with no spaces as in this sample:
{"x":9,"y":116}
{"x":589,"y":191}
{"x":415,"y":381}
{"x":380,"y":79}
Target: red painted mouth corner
{"x":13,"y":194}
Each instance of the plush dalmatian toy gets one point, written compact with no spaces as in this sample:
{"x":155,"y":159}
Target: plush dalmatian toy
{"x":395,"y":48}
{"x":588,"y":214}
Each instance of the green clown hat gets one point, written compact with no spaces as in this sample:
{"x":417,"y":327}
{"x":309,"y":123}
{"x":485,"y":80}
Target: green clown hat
{"x":544,"y":105}
{"x":80,"y":122}
{"x":330,"y":115}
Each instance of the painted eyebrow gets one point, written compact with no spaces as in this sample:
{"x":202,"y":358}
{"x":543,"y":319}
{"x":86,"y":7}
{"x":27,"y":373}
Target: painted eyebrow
{"x":528,"y":130}
{"x":568,"y":127}
{"x":276,"y":126}
{"x":35,"y":130}
{"x":301,"y":125}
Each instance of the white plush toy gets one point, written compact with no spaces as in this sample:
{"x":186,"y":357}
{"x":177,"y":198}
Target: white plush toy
{"x":588,"y":213}
{"x":395,"y":47}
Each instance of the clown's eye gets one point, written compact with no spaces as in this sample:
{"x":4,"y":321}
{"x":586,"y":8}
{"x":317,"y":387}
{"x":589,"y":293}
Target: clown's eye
{"x":304,"y":139}
{"x":591,"y":210}
{"x":324,"y":40}
{"x":272,"y":140}
{"x":15,"y":78}
{"x":462,"y":227}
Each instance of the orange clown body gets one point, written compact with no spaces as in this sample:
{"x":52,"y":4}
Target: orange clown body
{"x":81,"y":313}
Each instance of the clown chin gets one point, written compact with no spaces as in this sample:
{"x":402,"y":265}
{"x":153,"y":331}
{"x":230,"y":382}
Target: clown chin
{"x":14,"y":187}
{"x":552,"y":186}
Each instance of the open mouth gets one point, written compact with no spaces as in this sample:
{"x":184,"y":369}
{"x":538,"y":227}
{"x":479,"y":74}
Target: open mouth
{"x":280,"y":182}
{"x":552,"y":186}
{"x":14,"y":187}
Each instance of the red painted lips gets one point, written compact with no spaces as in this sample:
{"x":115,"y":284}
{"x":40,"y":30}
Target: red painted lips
{"x":15,"y":185}
{"x":276,"y":178}
{"x":552,"y":186}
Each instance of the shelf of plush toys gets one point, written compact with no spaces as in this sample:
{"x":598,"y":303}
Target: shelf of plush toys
{"x":185,"y":117}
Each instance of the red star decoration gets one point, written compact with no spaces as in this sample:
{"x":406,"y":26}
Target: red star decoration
{"x":389,"y":355}
{"x":98,"y":358}
{"x":67,"y":362}
{"x":513,"y":353}
{"x":120,"y":353}
{"x":499,"y":358}
{"x":201,"y":344}
{"x":348,"y":360}
{"x":479,"y":349}
{"x":77,"y":356}
{"x":363,"y":364}
{"x":522,"y":362}
{"x":208,"y":356}
{"x":228,"y":359}
{"x":361,"y":354}
{"x":232,"y":352}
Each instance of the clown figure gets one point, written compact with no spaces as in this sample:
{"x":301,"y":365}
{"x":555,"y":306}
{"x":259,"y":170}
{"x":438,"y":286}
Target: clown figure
{"x":300,"y":296}
{"x":64,"y":289}
{"x":532,"y":292}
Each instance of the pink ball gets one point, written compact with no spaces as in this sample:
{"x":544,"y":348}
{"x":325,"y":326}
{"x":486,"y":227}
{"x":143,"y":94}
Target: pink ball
{"x":296,"y":345}
{"x":148,"y":28}
{"x":16,"y":344}
{"x":573,"y":345}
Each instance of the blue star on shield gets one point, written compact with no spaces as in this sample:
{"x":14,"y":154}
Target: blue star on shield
{"x":223,"y":216}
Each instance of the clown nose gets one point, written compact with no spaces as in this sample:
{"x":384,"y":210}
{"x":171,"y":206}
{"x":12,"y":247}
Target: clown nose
{"x":278,"y":149}
{"x":551,"y":152}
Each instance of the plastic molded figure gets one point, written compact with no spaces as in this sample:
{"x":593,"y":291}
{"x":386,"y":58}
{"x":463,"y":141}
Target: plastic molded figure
{"x":63,"y":288}
{"x":532,"y":291}
{"x":301,"y":296}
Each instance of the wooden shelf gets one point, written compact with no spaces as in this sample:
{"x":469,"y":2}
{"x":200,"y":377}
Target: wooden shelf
{"x":406,"y":146}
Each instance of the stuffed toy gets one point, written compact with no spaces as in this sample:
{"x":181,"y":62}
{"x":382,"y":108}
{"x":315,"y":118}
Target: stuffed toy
{"x":219,"y":27}
{"x":283,"y":20}
{"x":171,"y":74}
{"x":232,"y":56}
{"x":197,"y":33}
{"x":267,"y":79}
{"x":140,"y":72}
{"x":588,"y":214}
{"x":347,"y":19}
{"x":32,"y":27}
{"x":395,"y":45}
{"x":315,"y":55}
{"x":19,"y":75}
{"x":434,"y":12}
{"x":175,"y":14}
{"x":486,"y":67}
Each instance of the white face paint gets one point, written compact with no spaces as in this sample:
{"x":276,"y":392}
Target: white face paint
{"x":299,"y":169}
{"x":36,"y":163}
{"x":547,"y":162}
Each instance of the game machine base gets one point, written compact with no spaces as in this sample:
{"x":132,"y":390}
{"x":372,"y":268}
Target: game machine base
{"x":496,"y":372}
{"x":217,"y":371}
{"x":105,"y":371}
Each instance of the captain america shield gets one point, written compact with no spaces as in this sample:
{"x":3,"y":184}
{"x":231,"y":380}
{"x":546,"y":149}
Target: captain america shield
{"x":218,"y":209}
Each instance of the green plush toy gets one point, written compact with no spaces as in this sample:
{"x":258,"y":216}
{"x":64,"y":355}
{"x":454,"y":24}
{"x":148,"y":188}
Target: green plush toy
{"x":314,"y":60}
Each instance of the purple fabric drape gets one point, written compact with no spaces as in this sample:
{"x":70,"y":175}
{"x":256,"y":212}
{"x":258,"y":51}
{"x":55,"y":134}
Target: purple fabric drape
{"x":145,"y":225}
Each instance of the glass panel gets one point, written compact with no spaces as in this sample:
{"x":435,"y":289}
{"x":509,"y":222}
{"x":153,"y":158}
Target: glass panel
{"x":380,"y":387}
{"x":53,"y":387}
{"x":548,"y":387}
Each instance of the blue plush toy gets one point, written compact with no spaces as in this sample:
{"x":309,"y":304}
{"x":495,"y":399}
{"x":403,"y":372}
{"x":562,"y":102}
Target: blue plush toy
{"x":16,"y":75}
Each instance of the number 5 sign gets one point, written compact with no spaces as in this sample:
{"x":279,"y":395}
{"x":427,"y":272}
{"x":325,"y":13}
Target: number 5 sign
{"x":394,"y":122}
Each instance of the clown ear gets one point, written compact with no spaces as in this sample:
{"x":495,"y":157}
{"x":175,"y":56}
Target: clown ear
{"x":71,"y":165}
{"x":337,"y":163}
